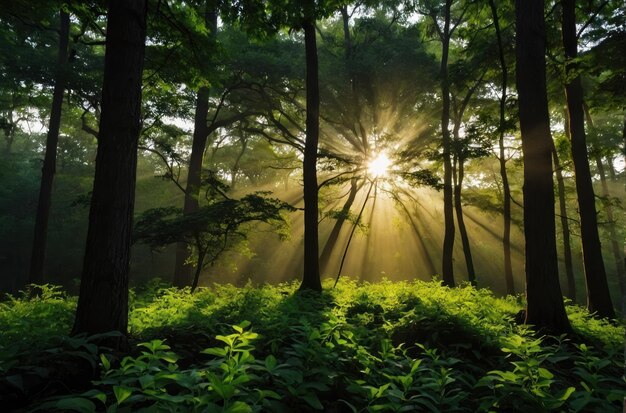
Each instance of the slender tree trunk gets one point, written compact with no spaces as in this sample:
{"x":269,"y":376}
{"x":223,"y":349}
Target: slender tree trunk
{"x":545,"y":308}
{"x":617,"y":250}
{"x":311,"y":277}
{"x":198,"y":270}
{"x":598,"y":297}
{"x":567,"y":249}
{"x":103,"y":299}
{"x":458,"y":206}
{"x":334,"y":233}
{"x":447,"y":266}
{"x":506,"y":204}
{"x":183,"y":274}
{"x":183,"y":267}
{"x":38,"y":253}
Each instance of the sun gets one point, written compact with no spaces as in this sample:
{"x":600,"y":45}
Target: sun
{"x":379,"y":166}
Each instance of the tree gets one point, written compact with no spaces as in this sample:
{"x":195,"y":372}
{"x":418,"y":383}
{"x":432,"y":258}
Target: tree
{"x":567,"y":249}
{"x":598,"y":297}
{"x":445,"y":33}
{"x":182,"y":271}
{"x":545,"y":308}
{"x":311,"y":277}
{"x":103,"y":300}
{"x":49,"y":164}
{"x":212,"y":229}
{"x":506,"y":196}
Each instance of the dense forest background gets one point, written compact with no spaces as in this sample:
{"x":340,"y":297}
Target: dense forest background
{"x":226,"y":94}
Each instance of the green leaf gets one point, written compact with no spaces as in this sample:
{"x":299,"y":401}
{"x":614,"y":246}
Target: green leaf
{"x":312,"y":401}
{"x":567,"y":393}
{"x":215,"y":351}
{"x":270,"y":362}
{"x":76,"y":404}
{"x":122,"y":393}
{"x":105,"y":362}
{"x":238,"y":407}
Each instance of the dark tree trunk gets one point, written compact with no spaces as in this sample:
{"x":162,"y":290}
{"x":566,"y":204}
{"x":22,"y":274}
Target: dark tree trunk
{"x":38,"y":253}
{"x":334,"y":233}
{"x":183,"y":272}
{"x":545,"y":307}
{"x":598,"y":297}
{"x":458,"y":206}
{"x":183,"y":268}
{"x":311,"y":277}
{"x":567,"y":249}
{"x":103,"y":299}
{"x":447,"y":266}
{"x":506,"y":190}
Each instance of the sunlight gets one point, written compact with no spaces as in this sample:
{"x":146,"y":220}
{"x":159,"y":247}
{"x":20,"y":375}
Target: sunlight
{"x":379,"y":166}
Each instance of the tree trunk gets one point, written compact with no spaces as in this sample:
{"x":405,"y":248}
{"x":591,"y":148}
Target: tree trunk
{"x":38,"y":253}
{"x":183,"y":272}
{"x":506,"y":204}
{"x":103,"y":299}
{"x":458,"y":206}
{"x":567,"y":249}
{"x":545,"y":307}
{"x":447,"y":266}
{"x":311,"y":277}
{"x":183,"y":268}
{"x":598,"y":297}
{"x":617,"y":250}
{"x":334,"y":233}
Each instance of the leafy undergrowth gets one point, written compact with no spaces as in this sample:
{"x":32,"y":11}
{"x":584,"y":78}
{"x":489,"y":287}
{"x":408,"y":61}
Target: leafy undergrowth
{"x":388,"y":346}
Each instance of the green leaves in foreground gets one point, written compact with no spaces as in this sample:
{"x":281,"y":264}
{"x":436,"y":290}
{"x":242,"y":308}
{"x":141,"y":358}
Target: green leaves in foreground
{"x":383,"y":347}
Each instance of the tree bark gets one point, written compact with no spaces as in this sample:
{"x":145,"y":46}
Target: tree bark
{"x":103,"y":299}
{"x":506,"y":189}
{"x":38,"y":253}
{"x":567,"y":249}
{"x":311,"y":277}
{"x":598,"y":297}
{"x":447,"y":266}
{"x":183,"y":272}
{"x":545,"y":308}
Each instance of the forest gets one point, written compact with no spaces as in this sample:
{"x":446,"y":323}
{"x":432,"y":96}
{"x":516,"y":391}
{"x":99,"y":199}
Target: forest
{"x":312,"y":205}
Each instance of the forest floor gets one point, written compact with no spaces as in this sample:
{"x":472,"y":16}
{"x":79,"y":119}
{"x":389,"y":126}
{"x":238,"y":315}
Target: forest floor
{"x":380,"y":347}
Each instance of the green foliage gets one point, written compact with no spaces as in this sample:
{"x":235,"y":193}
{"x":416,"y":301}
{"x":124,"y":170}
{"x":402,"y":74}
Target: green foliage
{"x":214,"y":228}
{"x":405,"y":346}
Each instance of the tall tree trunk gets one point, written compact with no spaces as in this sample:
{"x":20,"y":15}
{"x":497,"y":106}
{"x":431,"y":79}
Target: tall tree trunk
{"x":506,"y":189}
{"x":334,"y":233}
{"x":311,"y":277}
{"x":183,"y":267}
{"x":447,"y":265}
{"x":598,"y":297}
{"x":567,"y":249}
{"x":103,"y":299}
{"x":458,"y":206}
{"x":545,"y":308}
{"x":183,"y":270}
{"x":38,"y":253}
